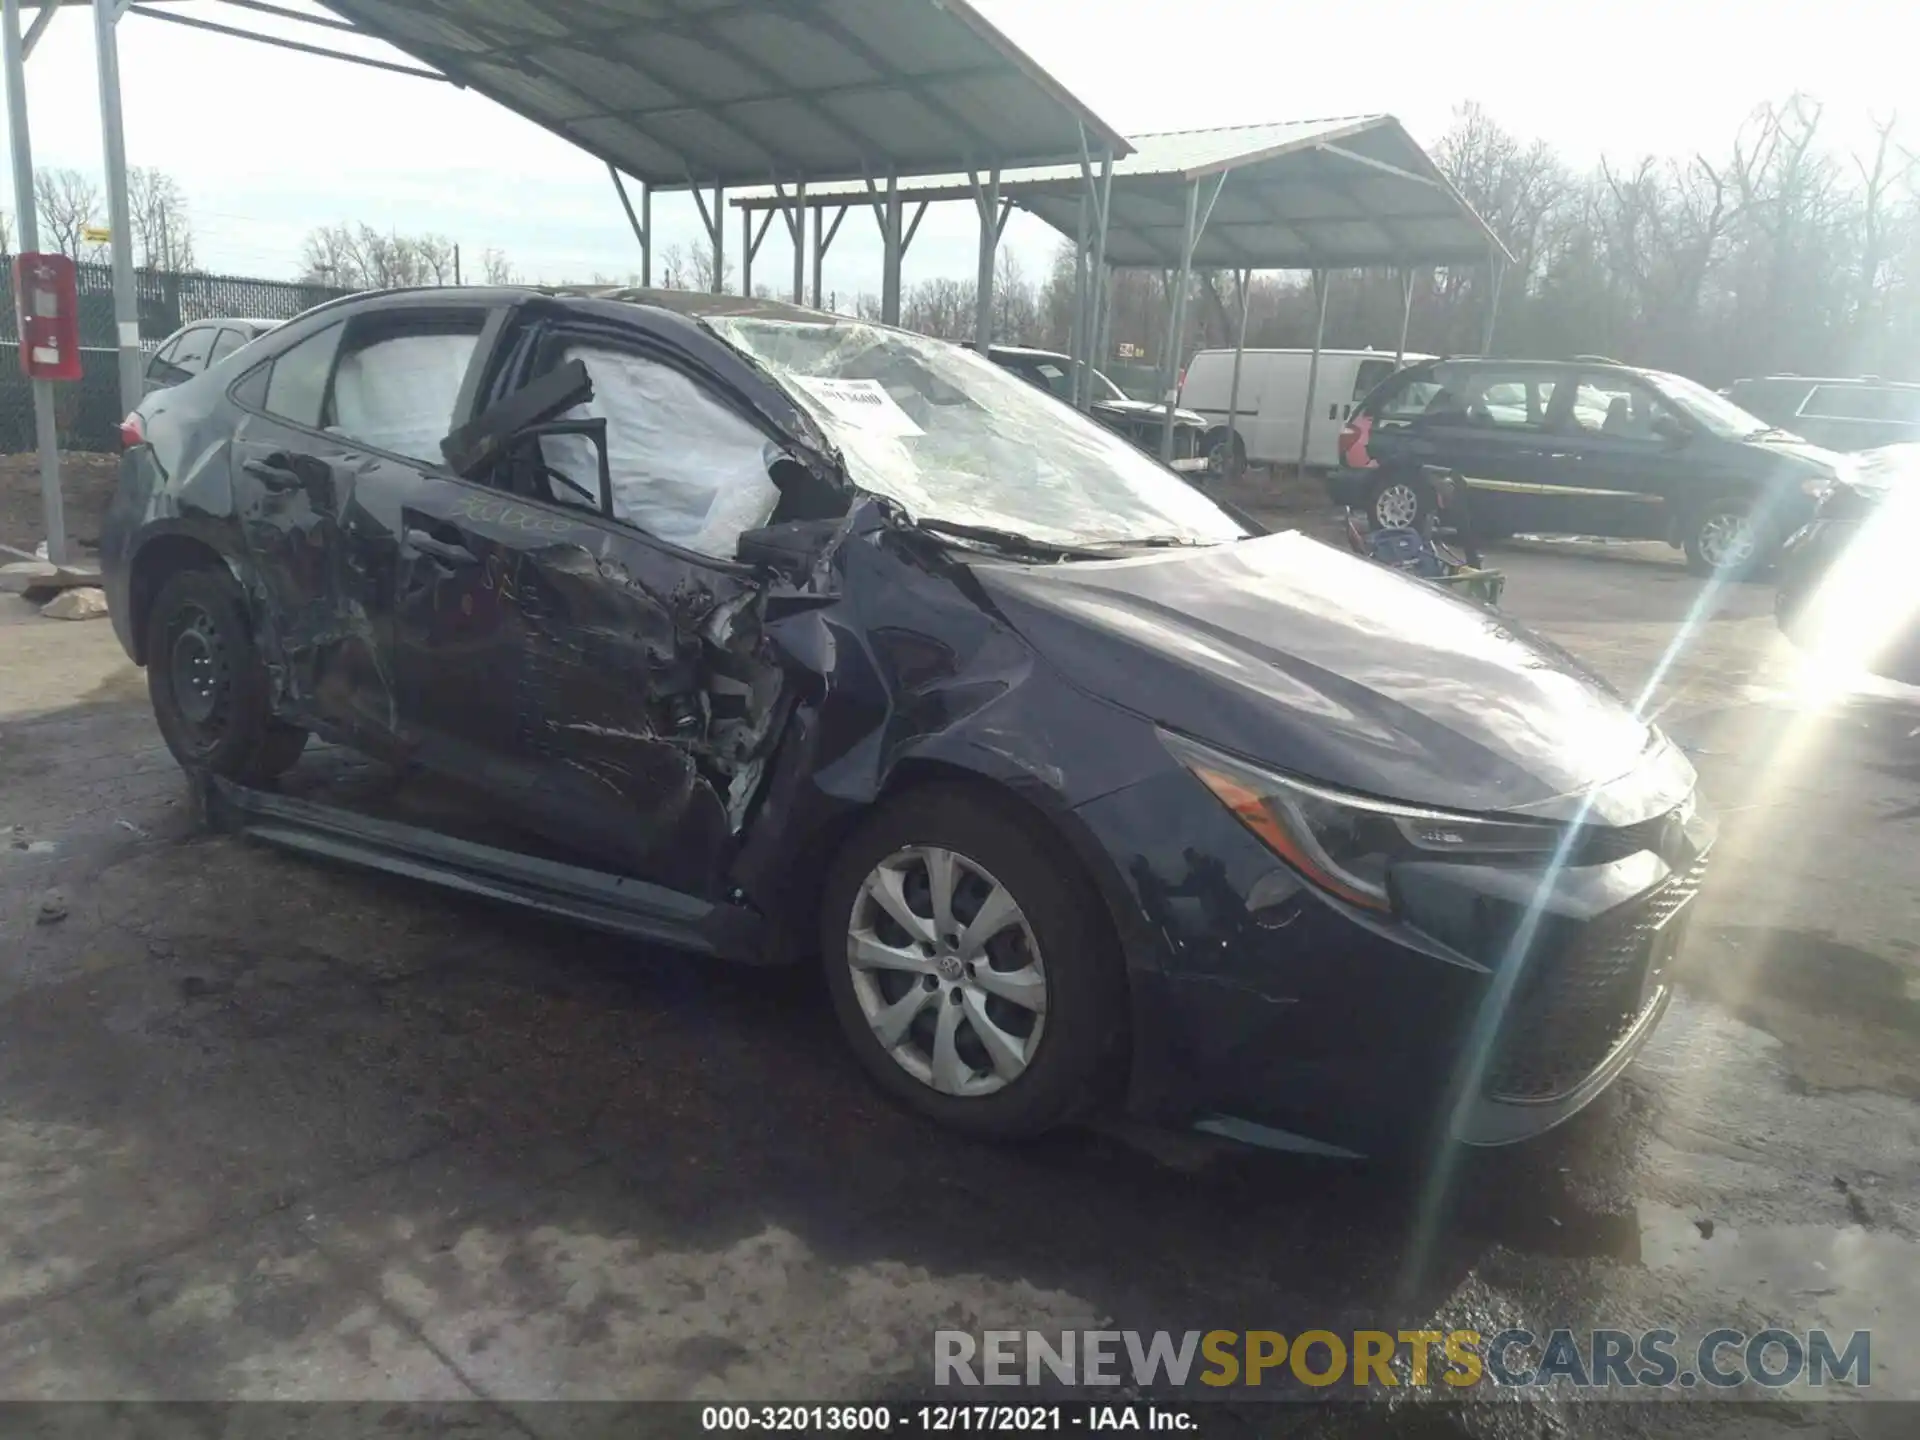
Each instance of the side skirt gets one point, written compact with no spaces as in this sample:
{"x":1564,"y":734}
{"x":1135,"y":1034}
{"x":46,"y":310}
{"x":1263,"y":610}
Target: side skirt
{"x":615,"y":903}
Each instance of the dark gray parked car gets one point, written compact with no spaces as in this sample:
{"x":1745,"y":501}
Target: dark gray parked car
{"x":192,"y":348}
{"x":1139,"y":420}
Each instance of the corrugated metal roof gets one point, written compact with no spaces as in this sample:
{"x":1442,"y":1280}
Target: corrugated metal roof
{"x":745,"y":92}
{"x":1348,"y":192}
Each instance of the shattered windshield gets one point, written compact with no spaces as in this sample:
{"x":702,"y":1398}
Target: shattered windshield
{"x":953,"y":437}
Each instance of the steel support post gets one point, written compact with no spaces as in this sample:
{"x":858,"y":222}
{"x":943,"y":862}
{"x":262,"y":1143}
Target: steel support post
{"x":47,"y":438}
{"x":646,"y":237}
{"x":823,"y":234}
{"x":1103,"y":337}
{"x":1496,"y":272}
{"x":797,"y":228}
{"x":819,"y":255}
{"x":1197,"y":217}
{"x":1406,"y":316}
{"x":893,"y":251}
{"x":719,"y":240}
{"x":1077,"y":342}
{"x":987,"y":200}
{"x":746,"y":251}
{"x":1244,"y":280}
{"x":1177,"y":319}
{"x":1097,"y":270}
{"x":1322,"y":285}
{"x":126,"y":305}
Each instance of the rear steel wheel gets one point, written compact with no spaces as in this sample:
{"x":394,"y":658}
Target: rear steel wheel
{"x":208,"y":684}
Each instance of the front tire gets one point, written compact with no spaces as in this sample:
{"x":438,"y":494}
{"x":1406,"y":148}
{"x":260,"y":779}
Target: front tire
{"x":972,"y":969}
{"x":1397,"y":502}
{"x":208,"y":685}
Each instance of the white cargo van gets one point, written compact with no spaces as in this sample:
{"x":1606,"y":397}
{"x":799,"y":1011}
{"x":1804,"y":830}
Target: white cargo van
{"x":1273,"y":399}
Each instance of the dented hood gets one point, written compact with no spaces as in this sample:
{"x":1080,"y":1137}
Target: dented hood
{"x":1324,"y":665}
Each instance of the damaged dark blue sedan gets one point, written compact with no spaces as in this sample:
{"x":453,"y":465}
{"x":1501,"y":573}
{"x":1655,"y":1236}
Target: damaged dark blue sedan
{"x":773,"y":635}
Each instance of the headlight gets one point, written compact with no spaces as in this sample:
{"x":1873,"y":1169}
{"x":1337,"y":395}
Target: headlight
{"x":1344,"y":843}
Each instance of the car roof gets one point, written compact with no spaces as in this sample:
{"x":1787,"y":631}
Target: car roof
{"x":1863,"y":381}
{"x":1296,"y":350}
{"x":1586,"y":367}
{"x":1021,"y":352}
{"x":696,"y":303}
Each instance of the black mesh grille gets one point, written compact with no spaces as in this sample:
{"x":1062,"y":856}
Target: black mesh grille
{"x":1599,"y":844}
{"x":1572,"y":1007}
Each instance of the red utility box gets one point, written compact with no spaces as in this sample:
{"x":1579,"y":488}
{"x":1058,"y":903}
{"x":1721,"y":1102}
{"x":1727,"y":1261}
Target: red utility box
{"x":46,"y":299}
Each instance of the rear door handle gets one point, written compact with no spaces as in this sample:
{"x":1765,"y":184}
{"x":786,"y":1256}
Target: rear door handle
{"x":444,"y":551}
{"x":276,"y":471}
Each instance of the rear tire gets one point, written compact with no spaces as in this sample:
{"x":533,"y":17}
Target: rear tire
{"x":1226,"y":453}
{"x":946,"y":1023}
{"x":1721,"y":539}
{"x":208,"y":686}
{"x":1398,"y":501}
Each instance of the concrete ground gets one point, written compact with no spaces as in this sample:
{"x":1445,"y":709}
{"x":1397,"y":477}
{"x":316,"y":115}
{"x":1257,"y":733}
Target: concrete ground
{"x":272,"y":1129}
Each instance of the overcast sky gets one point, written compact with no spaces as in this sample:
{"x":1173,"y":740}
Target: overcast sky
{"x":269,"y":144}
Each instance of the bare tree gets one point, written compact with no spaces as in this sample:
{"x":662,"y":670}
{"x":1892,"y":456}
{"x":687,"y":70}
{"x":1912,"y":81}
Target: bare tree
{"x":68,"y":203}
{"x":497,"y":269}
{"x":157,"y":210}
{"x":358,"y":257}
{"x":1016,"y":308}
{"x":943,"y":308}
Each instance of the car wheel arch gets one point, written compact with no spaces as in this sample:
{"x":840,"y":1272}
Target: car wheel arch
{"x":813,"y":852}
{"x":158,"y":558}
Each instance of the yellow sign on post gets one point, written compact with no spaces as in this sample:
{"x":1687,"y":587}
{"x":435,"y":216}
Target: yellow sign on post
{"x":97,"y":235}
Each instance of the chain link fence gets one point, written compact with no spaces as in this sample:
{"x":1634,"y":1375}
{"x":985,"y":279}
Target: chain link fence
{"x":87,"y":411}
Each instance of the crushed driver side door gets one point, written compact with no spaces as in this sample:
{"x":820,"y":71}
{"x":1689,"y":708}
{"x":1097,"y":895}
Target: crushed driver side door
{"x":599,"y":668}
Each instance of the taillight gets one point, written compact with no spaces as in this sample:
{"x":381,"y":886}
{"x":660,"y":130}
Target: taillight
{"x":1353,"y":442}
{"x":133,"y":431}
{"x":1180,"y":385}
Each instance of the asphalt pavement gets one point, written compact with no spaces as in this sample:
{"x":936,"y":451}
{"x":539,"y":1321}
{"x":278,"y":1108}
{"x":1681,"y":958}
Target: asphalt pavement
{"x":270,"y":1129}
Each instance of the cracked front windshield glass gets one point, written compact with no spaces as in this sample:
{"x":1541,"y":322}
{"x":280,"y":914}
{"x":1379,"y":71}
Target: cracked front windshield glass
{"x":953,"y":437}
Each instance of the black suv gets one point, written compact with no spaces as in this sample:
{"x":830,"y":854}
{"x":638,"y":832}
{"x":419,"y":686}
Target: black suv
{"x":1858,"y":414}
{"x":1583,"y":448}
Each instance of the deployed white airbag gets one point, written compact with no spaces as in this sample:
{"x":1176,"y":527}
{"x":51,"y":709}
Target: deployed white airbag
{"x":399,"y":394}
{"x":684,"y":467}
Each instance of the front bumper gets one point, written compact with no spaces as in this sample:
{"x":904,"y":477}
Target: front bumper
{"x":1266,"y":1007}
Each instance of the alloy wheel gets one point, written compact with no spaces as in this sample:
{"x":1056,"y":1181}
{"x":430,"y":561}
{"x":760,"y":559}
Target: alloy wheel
{"x":1397,"y":505}
{"x":1726,"y":540}
{"x":946,"y":971}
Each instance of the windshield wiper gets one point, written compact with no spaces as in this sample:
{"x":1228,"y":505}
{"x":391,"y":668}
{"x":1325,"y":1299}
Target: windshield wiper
{"x":1009,"y":540}
{"x":1148,"y":542}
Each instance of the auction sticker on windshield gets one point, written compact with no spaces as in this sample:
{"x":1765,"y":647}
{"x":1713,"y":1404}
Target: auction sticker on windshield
{"x":863,"y":404}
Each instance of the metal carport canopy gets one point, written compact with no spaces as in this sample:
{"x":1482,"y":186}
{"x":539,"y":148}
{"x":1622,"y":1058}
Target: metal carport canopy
{"x":683,"y":93}
{"x":1344,"y":194}
{"x":1348,"y":193}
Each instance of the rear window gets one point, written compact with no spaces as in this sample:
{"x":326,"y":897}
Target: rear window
{"x":1861,"y":402}
{"x":1370,"y":375}
{"x":1466,"y":395}
{"x":1775,"y":401}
